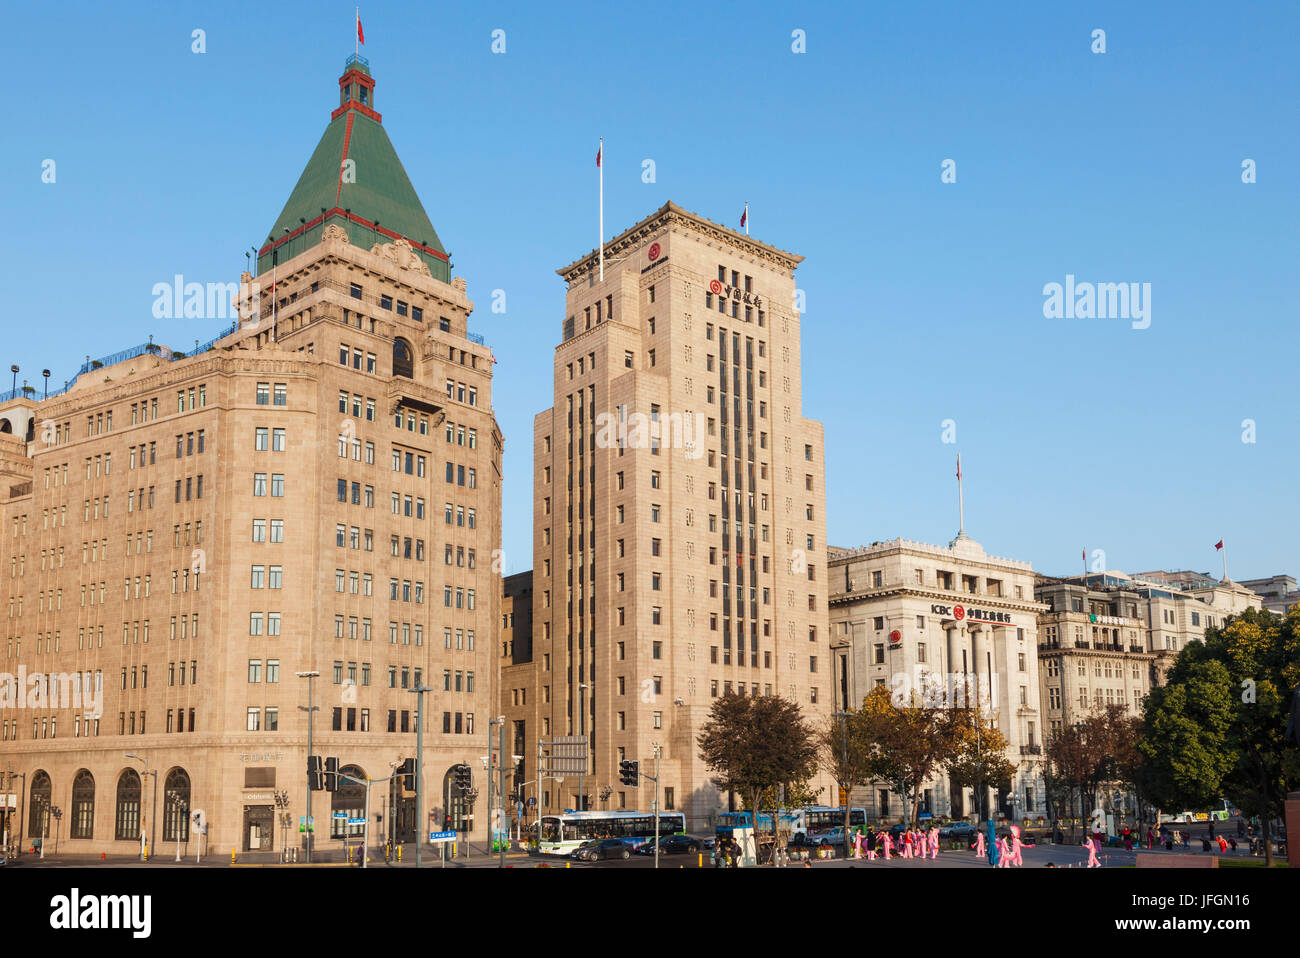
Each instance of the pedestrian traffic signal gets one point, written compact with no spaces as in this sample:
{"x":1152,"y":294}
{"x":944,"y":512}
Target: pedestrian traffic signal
{"x":331,"y":774}
{"x":464,"y":778}
{"x":629,"y":773}
{"x":408,"y":774}
{"x":315,"y":780}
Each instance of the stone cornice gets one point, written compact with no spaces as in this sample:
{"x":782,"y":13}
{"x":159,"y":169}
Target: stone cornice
{"x":671,"y":215}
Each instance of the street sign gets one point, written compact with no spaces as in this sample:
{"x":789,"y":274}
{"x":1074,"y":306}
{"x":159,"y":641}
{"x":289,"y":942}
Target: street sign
{"x":442,"y":836}
{"x":356,"y":821}
{"x":568,"y":755}
{"x":339,"y":815}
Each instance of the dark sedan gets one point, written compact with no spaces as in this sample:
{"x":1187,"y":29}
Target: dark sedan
{"x":672,"y":845}
{"x":958,"y":830}
{"x":600,"y":849}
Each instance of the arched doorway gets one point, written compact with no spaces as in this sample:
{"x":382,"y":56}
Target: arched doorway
{"x":38,"y":807}
{"x":126,"y":817}
{"x":350,"y":800}
{"x":82,"y":823}
{"x":176,"y":806}
{"x":403,"y":359}
{"x":401,"y":825}
{"x":455,"y":803}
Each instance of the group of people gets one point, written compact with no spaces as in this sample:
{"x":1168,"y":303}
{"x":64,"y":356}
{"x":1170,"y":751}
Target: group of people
{"x":910,"y":843}
{"x":1007,"y":850}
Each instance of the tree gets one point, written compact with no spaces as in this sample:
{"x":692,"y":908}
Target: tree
{"x":906,"y":743}
{"x":757,"y":745}
{"x":979,"y":755}
{"x":1092,"y":753}
{"x":1216,"y":728}
{"x":843,"y":752}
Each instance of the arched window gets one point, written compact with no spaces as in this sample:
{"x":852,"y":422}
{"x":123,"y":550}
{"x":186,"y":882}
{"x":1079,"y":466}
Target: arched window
{"x":456,"y":804}
{"x":350,"y":799}
{"x":6,"y":426}
{"x":82,"y":824}
{"x":403,"y":359}
{"x":176,"y":806}
{"x":39,"y":805}
{"x":126,"y":821}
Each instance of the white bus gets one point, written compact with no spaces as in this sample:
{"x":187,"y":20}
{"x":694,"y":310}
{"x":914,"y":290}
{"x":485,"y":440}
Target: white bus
{"x":561,"y":834}
{"x":819,"y":818}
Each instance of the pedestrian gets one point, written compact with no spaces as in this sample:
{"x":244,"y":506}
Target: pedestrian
{"x":1233,"y":843}
{"x":1187,"y":840}
{"x":1223,"y":845}
{"x":888,"y":842}
{"x":1211,"y":829}
{"x":979,"y":844}
{"x":1015,"y":847}
{"x":1091,"y":846}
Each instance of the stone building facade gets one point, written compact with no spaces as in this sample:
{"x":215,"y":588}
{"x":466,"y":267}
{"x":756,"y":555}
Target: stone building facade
{"x":318,"y":491}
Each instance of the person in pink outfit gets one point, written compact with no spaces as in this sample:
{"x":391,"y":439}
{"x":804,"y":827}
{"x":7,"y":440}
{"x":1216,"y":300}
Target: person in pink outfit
{"x":1091,"y":845}
{"x":1016,"y":845}
{"x":888,"y":844}
{"x":907,"y":844}
{"x":979,"y":844}
{"x":1004,"y":852}
{"x":934,"y":842}
{"x":857,"y":845}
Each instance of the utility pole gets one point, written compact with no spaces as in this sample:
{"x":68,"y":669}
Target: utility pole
{"x":420,"y":823}
{"x":310,"y":677}
{"x":501,"y":785}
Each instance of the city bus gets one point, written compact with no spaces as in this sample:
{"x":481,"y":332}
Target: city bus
{"x":819,"y":818}
{"x":561,"y":834}
{"x":727,"y":821}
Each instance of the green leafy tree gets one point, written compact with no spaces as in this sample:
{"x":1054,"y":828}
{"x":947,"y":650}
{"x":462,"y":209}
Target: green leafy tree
{"x":1216,"y":727}
{"x":757,"y":745}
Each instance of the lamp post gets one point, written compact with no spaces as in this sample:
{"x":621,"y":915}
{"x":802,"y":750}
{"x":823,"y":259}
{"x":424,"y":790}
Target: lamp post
{"x":281,"y":796}
{"x":310,"y":676}
{"x":46,"y":374}
{"x":582,"y":733}
{"x":181,"y":811}
{"x":418,"y":692}
{"x":154,"y":814}
{"x":14,"y":369}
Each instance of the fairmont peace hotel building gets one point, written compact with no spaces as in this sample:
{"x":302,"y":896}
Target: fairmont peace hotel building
{"x":318,"y":489}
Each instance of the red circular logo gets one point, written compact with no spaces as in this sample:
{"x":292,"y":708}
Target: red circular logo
{"x":715,"y":287}
{"x":654,"y":251}
{"x":958,"y":612}
{"x":895,"y":636}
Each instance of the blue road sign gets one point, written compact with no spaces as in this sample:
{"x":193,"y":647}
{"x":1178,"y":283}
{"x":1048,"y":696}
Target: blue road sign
{"x":356,"y":821}
{"x":442,"y":836}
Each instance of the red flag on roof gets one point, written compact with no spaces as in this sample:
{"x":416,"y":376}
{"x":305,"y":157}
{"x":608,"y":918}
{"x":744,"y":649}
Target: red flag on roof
{"x":1218,"y":545}
{"x":599,"y":150}
{"x":361,"y":35}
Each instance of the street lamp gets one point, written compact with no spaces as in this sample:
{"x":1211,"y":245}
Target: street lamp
{"x":310,"y":676}
{"x":14,"y":369}
{"x":181,"y":812}
{"x":46,"y":374}
{"x":154,"y":773}
{"x":582,"y":733}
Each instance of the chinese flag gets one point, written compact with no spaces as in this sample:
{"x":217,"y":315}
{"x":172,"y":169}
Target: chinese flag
{"x":599,"y":150}
{"x":361,"y":35}
{"x":1218,"y":545}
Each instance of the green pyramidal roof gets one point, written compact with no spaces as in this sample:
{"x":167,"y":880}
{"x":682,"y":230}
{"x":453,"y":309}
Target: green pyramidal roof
{"x":354,"y":179}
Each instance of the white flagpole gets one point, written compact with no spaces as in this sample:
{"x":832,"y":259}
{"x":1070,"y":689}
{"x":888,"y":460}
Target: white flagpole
{"x":356,"y":35}
{"x":1225,"y":559}
{"x":746,"y":219}
{"x":600,"y":154}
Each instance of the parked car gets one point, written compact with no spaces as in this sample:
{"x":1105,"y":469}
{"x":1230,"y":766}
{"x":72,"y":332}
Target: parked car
{"x":672,"y":845}
{"x":958,"y":830}
{"x":599,"y":849}
{"x":829,"y":836}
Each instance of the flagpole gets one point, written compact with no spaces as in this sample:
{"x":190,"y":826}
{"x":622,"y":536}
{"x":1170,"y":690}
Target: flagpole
{"x":747,"y":218}
{"x":356,"y":38}
{"x":961,"y":504}
{"x":1225,"y":560}
{"x":600,"y":154}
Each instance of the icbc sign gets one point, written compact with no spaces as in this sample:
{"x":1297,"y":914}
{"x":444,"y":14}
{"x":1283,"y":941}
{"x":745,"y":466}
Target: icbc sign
{"x":895,"y":637}
{"x":958,"y":612}
{"x":715,"y":288}
{"x":654,"y":251}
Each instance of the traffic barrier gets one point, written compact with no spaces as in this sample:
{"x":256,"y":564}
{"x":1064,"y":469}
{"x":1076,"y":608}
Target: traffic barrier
{"x":232,"y":855}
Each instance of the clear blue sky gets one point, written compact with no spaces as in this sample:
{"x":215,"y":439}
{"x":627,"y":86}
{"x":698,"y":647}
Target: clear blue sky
{"x":924,"y":299}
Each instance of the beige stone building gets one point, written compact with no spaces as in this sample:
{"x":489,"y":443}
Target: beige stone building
{"x":318,"y":490}
{"x":679,"y":545}
{"x":907,"y":615}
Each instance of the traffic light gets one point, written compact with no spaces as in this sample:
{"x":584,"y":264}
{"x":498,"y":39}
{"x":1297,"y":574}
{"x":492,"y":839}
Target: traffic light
{"x":464,"y":778}
{"x":629,"y":773}
{"x":408,"y":774}
{"x":331,"y":774}
{"x":315,"y":780}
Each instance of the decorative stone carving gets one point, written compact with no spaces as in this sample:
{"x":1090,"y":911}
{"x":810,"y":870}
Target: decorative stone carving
{"x":335,"y":232}
{"x":402,"y":255}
